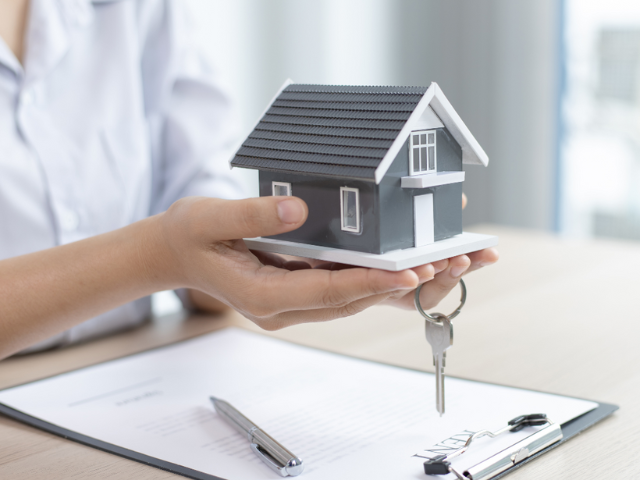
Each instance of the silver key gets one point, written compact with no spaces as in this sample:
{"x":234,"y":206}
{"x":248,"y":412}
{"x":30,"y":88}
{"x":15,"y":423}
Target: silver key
{"x":439,"y":333}
{"x":440,"y":337}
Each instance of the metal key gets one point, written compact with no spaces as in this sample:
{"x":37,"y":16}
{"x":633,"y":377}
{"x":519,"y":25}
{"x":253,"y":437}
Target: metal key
{"x":439,"y":332}
{"x":440,"y":337}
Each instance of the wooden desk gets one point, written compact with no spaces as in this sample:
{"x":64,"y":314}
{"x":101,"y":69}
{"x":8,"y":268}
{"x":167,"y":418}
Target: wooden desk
{"x":552,"y":315}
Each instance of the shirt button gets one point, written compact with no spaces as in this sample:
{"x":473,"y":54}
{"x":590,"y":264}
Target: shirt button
{"x":69,"y":220}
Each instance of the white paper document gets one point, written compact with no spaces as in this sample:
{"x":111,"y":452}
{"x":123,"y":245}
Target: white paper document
{"x":346,"y":418}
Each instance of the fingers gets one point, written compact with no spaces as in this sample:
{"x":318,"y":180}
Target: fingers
{"x":434,"y":291}
{"x":279,"y":291}
{"x":274,"y":260}
{"x":440,"y":265}
{"x":447,"y":277}
{"x":482,"y":258}
{"x":287,"y":319}
{"x":251,"y":217}
{"x":267,"y":258}
{"x":464,"y":201}
{"x":333,"y":266}
{"x":425,"y":272}
{"x":293,"y":265}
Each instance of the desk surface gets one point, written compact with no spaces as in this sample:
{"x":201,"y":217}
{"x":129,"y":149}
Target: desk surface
{"x":552,"y":315}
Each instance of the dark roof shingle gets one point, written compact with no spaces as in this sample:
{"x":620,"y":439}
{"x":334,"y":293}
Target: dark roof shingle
{"x":332,"y":130}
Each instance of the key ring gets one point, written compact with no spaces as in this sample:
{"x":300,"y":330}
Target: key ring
{"x":436,"y":318}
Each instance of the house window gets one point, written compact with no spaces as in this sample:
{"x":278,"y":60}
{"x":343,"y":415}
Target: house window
{"x":423,"y":152}
{"x":281,"y":189}
{"x":350,"y":209}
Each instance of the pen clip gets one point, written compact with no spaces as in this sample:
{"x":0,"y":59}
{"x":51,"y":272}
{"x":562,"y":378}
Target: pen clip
{"x":269,"y":460}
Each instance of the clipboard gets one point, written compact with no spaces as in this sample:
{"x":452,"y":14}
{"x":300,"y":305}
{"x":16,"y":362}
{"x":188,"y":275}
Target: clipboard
{"x":569,"y":429}
{"x":519,"y":453}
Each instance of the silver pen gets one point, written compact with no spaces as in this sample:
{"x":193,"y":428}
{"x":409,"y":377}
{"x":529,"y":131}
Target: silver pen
{"x":270,"y":452}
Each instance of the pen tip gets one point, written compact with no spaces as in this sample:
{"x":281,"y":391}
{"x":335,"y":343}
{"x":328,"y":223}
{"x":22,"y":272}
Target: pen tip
{"x":212,"y":398}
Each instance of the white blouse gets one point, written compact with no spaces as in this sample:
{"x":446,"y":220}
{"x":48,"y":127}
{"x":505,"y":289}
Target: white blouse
{"x":114,"y":116}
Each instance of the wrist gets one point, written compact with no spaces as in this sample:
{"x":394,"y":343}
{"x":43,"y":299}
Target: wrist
{"x":156,"y":257}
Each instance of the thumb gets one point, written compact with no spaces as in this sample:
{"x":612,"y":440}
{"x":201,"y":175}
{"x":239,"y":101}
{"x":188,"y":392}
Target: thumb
{"x":258,"y":217}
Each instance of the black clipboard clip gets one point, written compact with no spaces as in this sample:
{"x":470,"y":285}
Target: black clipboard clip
{"x":505,"y":459}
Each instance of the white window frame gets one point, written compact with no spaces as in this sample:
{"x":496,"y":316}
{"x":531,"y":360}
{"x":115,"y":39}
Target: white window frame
{"x":355,"y":229}
{"x":427,"y":145}
{"x":280,"y":184}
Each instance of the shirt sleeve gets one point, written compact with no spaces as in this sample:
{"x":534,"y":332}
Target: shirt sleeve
{"x":192,"y":123}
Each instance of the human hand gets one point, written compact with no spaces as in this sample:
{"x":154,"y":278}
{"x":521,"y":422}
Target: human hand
{"x":439,"y":278}
{"x":206,"y":253}
{"x":447,"y":275}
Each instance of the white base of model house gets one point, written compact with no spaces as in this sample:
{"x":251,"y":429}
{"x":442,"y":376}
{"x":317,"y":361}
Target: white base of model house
{"x":394,"y":261}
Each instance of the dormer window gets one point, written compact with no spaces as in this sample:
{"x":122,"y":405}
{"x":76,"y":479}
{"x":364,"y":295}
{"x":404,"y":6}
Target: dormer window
{"x":423,"y":152}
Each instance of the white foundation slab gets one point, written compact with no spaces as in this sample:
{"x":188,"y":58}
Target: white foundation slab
{"x":394,"y":261}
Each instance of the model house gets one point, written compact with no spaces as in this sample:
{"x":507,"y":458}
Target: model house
{"x":379,"y":167}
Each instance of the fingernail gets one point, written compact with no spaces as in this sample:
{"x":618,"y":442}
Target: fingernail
{"x":290,"y":211}
{"x":457,"y":271}
{"x":486,"y":264}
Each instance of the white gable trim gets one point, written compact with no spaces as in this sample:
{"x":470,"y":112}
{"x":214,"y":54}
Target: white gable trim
{"x":393,"y":151}
{"x":286,"y":83}
{"x":427,"y":121}
{"x":472,"y":152}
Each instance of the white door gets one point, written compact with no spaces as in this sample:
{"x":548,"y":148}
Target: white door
{"x":423,"y":226}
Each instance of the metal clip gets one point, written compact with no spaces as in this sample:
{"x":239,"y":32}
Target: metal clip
{"x":293,"y":468}
{"x":505,"y":459}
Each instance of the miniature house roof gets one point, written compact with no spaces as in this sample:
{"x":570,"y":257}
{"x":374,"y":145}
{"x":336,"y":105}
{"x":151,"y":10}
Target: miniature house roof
{"x":348,"y":131}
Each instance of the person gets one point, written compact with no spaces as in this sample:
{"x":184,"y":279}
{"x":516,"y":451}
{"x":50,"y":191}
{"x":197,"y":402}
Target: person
{"x":114,"y":135}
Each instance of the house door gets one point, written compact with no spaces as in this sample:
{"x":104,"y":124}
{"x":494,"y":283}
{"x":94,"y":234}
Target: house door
{"x":423,"y":225}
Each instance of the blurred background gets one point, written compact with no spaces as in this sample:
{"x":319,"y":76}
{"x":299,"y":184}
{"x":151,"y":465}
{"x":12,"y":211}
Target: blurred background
{"x":550,"y":88}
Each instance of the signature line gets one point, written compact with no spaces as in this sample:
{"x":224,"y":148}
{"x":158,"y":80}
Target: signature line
{"x":108,"y":394}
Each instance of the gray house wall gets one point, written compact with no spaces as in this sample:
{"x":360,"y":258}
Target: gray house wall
{"x":386,"y":210}
{"x":396,"y":203}
{"x":449,"y":153}
{"x":322,"y":195}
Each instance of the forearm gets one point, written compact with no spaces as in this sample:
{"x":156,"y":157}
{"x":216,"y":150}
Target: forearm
{"x":46,"y":292}
{"x":194,"y":244}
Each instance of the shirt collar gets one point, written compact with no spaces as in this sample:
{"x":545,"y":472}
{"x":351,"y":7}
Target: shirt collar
{"x":8,"y":59}
{"x":50,"y":26}
{"x":50,"y":31}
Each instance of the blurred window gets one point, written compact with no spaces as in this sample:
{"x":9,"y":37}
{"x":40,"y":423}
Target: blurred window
{"x":600,"y":169}
{"x":618,"y":61}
